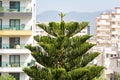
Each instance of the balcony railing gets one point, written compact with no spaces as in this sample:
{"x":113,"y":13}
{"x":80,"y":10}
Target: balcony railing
{"x":19,"y":27}
{"x":22,"y":9}
{"x":7,"y":46}
{"x":8,"y":64}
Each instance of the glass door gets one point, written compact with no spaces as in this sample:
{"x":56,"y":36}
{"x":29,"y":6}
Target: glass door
{"x":0,"y":42}
{"x":1,"y":8}
{"x":14,"y":60}
{"x":14,"y":41}
{"x":0,"y":24}
{"x":15,"y":75}
{"x":0,"y":60}
{"x":15,"y":24}
{"x":0,"y":3}
{"x":15,"y":5}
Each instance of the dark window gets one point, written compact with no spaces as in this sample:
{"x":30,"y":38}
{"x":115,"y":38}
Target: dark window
{"x":0,"y":42}
{"x":13,"y":41}
{"x":15,"y":24}
{"x":111,"y":55}
{"x":14,"y":60}
{"x":15,"y":75}
{"x":15,"y":5}
{"x":0,"y":60}
{"x":107,"y":55}
{"x":0,"y":24}
{"x":0,"y":3}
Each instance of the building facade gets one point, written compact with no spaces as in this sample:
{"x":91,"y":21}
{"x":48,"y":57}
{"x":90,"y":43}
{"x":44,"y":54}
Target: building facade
{"x":17,"y":22}
{"x":108,"y":42}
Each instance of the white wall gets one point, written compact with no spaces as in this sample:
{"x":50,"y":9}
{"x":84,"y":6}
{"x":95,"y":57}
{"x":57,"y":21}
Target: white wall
{"x":23,"y":59}
{"x":5,"y":60}
{"x":118,"y":10}
{"x":23,"y":76}
{"x":105,"y":16}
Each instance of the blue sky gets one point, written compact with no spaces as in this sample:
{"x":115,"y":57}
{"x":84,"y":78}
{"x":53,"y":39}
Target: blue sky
{"x":76,"y":5}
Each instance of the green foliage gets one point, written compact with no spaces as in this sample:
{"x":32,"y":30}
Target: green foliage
{"x":118,"y":76}
{"x":63,"y":55}
{"x":101,"y":77}
{"x":8,"y":77}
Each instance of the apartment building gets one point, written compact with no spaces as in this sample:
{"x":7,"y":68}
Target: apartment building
{"x":108,"y":42}
{"x":17,"y":22}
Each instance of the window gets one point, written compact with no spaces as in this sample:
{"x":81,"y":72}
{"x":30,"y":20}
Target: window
{"x":98,"y":26}
{"x":15,"y":75}
{"x":0,"y":24}
{"x":0,"y":42}
{"x":118,"y":23}
{"x":0,"y":3}
{"x":0,"y":60}
{"x":113,"y":29}
{"x":15,"y":5}
{"x":107,"y":55}
{"x":112,"y":36}
{"x":15,"y":24}
{"x":113,"y":16}
{"x":111,"y":55}
{"x":14,"y":60}
{"x":113,"y":22}
{"x":14,"y":41}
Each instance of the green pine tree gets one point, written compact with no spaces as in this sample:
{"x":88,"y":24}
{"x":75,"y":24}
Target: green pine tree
{"x":8,"y":77}
{"x":63,"y":55}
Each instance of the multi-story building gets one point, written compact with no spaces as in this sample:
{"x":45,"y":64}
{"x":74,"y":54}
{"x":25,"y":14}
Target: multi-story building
{"x":17,"y":22}
{"x":108,"y":42}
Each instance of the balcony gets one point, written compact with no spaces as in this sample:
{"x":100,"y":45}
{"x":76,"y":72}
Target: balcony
{"x":103,"y":24}
{"x":17,"y":64}
{"x":6,"y":49}
{"x":115,"y":19}
{"x":7,"y":46}
{"x":115,"y":26}
{"x":5,"y":11}
{"x":12,"y":67}
{"x":102,"y":34}
{"x":6,"y":30}
{"x":103,"y":29}
{"x":22,"y":9}
{"x":114,"y":32}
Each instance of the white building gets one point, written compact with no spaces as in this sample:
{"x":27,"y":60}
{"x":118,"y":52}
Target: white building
{"x":17,"y":22}
{"x":108,"y":42}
